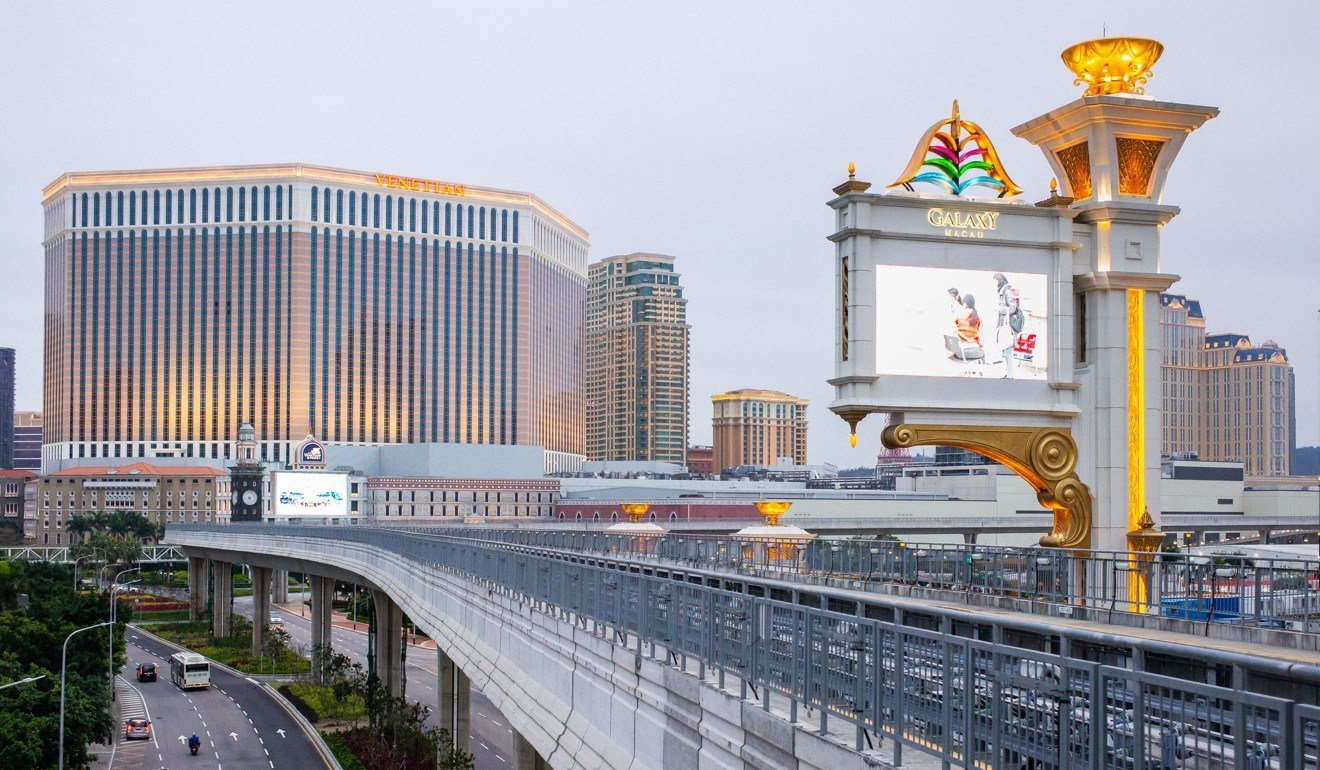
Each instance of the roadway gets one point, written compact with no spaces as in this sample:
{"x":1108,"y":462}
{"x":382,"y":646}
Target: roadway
{"x":492,"y":739}
{"x":241,"y":725}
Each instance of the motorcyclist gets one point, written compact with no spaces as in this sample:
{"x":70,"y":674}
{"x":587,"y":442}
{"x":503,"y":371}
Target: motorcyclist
{"x":194,"y":743}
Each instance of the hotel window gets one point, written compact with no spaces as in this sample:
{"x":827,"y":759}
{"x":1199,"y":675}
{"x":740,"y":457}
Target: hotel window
{"x":412,"y":214}
{"x":119,"y":200}
{"x":448,"y":214}
{"x":389,"y":212}
{"x":242,"y":204}
{"x":265,"y":203}
{"x":325,"y":213}
{"x":315,"y":200}
{"x":96,"y":210}
{"x":339,"y":207}
{"x":504,"y":224}
{"x":481,"y":221}
{"x":399,"y":221}
{"x":459,"y":228}
{"x":375,"y":210}
{"x":279,"y":202}
{"x":352,"y":209}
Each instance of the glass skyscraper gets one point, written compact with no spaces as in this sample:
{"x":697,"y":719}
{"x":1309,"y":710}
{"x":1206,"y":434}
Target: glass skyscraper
{"x":366,"y":308}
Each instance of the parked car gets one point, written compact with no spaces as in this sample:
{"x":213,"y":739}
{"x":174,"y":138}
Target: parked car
{"x":146,"y":672}
{"x":137,"y":729}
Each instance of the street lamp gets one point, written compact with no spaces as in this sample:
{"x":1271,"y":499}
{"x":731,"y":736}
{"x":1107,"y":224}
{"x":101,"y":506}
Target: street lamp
{"x":64,"y":662}
{"x":114,"y":615}
{"x":22,"y":681}
{"x":75,"y":566}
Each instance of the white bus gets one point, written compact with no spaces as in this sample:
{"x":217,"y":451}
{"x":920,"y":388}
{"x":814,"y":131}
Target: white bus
{"x":189,"y":670}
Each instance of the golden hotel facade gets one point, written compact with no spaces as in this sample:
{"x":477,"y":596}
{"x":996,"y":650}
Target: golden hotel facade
{"x":366,"y":308}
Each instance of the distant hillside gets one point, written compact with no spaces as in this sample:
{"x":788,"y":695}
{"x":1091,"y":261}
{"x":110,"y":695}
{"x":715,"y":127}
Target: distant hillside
{"x":1307,"y":461}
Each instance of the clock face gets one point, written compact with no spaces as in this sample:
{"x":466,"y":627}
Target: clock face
{"x":250,"y":497}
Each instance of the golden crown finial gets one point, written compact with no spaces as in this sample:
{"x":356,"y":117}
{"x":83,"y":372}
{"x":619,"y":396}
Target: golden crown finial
{"x":1054,"y":185}
{"x":852,"y":169}
{"x":1113,"y":65}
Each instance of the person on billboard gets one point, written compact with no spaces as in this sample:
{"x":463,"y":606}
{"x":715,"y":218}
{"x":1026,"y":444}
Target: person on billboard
{"x":966,"y":344}
{"x":1011,"y":320}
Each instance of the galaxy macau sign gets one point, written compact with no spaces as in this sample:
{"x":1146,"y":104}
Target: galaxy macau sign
{"x":1024,"y":331}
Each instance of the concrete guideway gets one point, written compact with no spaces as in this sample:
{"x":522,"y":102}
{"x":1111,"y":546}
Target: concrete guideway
{"x":572,"y":697}
{"x":607,"y":661}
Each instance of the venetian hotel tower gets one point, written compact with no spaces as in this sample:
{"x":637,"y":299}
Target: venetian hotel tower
{"x":368,"y":308}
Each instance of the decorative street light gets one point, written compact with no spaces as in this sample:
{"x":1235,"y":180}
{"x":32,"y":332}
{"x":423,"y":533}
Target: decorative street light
{"x":64,"y":662}
{"x":75,"y":566}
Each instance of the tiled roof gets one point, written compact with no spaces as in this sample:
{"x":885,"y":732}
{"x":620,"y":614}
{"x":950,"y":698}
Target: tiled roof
{"x":142,"y":469}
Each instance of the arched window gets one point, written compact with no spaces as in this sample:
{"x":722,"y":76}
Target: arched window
{"x":458,"y":231}
{"x":471,"y":220}
{"x":132,"y":207}
{"x":242,"y":204}
{"x":84,"y":210}
{"x":192,"y":205}
{"x":352,"y":209}
{"x":265,"y":203}
{"x":449,"y":212}
{"x":399,"y":221}
{"x":315,"y":201}
{"x":481,"y":221}
{"x":425,"y":210}
{"x":155,"y":207}
{"x":325,"y":212}
{"x":339,"y":207}
{"x":579,"y":515}
{"x":169,"y":207}
{"x":375,"y":210}
{"x":412,"y":214}
{"x":279,"y":202}
{"x":389,"y":212}
{"x":673,"y":517}
{"x":504,"y":224}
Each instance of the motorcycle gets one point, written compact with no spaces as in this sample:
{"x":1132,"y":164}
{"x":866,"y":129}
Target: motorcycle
{"x":194,"y":744}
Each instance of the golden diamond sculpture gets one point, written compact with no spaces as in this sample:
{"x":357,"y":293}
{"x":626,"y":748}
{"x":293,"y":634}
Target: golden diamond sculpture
{"x":1113,"y":65}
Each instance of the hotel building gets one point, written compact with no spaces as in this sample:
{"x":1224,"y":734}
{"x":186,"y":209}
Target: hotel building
{"x":27,"y":441}
{"x":1223,"y":398}
{"x":637,"y":361}
{"x":758,"y":427}
{"x":6,"y":408}
{"x":366,"y":308}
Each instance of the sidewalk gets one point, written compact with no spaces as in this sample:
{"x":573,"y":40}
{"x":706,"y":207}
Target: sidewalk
{"x":341,"y":620}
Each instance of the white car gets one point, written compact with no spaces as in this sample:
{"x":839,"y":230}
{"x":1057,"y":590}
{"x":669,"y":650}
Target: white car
{"x":276,"y":621}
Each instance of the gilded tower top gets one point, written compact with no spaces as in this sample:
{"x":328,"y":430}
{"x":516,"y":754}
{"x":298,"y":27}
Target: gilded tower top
{"x":1113,"y":65}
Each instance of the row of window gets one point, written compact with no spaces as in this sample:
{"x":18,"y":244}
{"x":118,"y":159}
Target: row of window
{"x":177,"y":207}
{"x":413,"y":215}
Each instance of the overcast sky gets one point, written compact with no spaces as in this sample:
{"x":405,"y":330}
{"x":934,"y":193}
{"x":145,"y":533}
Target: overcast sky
{"x":709,"y":131}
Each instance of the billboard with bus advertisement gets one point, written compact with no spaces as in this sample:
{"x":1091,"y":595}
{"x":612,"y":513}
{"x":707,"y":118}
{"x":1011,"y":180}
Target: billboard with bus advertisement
{"x":310,"y":493}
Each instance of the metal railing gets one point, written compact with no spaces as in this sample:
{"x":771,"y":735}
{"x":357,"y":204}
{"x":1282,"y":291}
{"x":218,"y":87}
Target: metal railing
{"x":970,"y":689}
{"x":1281,"y":594}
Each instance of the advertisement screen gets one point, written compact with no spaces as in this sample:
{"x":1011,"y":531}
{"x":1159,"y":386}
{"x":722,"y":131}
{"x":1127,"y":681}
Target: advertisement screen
{"x":310,"y":494}
{"x":940,"y":322}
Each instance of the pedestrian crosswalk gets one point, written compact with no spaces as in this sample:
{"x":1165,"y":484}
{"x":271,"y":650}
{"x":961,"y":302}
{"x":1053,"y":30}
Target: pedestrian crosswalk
{"x":131,"y":704}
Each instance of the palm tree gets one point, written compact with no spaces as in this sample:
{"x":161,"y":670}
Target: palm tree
{"x":78,"y":526}
{"x":120,"y":523}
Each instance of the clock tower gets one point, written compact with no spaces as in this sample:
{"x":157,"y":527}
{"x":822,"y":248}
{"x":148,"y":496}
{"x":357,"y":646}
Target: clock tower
{"x":246,"y":477}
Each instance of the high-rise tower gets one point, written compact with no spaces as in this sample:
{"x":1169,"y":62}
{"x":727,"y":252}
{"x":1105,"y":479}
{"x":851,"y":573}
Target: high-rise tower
{"x":637,"y":360}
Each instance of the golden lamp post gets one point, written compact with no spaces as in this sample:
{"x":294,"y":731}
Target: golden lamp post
{"x":772,"y":543}
{"x":641,"y":535}
{"x":1143,"y":542}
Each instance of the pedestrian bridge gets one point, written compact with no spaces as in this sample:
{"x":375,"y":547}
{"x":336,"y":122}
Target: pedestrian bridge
{"x":600,"y":660}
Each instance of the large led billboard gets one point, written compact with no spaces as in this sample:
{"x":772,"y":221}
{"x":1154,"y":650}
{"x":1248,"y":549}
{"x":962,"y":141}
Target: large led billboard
{"x":310,"y":493}
{"x":943,"y":322}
